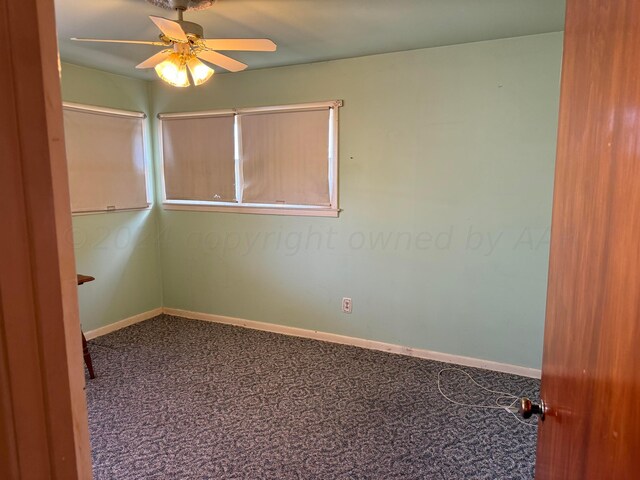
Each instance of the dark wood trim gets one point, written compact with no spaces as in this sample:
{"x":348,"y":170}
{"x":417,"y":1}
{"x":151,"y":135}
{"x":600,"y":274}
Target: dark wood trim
{"x":43,"y":409}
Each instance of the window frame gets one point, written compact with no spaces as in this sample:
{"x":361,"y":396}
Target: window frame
{"x":145,"y":151}
{"x":256,"y":208}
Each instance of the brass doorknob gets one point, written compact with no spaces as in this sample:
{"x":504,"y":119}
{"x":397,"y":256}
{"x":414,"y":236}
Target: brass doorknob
{"x":527,"y":408}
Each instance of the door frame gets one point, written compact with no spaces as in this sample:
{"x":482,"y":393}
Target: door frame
{"x":43,"y":413}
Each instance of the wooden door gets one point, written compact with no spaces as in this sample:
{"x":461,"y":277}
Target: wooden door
{"x":43,"y":416}
{"x":591,"y":365}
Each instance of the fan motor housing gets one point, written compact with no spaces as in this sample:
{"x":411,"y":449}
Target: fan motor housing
{"x":184,"y":5}
{"x":191,"y":29}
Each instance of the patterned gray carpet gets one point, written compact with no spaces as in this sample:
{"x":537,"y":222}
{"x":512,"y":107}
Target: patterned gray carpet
{"x":183,"y":399}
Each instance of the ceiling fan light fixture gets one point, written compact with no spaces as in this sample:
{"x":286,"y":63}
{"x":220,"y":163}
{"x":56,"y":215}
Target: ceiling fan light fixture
{"x":200,"y":72}
{"x":174,"y":65}
{"x":173,"y":71}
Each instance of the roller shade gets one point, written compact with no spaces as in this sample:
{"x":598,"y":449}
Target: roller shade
{"x":105,"y":158}
{"x":199,"y":161}
{"x":284,"y":157}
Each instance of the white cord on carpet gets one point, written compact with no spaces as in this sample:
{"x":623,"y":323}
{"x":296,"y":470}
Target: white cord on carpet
{"x":498,"y":406}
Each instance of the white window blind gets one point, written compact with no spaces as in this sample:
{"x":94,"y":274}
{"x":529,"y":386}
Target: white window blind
{"x":279,"y":160}
{"x":199,"y":159}
{"x":285,"y":157}
{"x":105,"y":156}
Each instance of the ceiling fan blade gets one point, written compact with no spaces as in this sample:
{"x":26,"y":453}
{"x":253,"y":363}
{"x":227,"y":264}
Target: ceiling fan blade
{"x":138,"y":42}
{"x":155,"y":59}
{"x":170,"y":29}
{"x":221,"y":60}
{"x":246,"y":44}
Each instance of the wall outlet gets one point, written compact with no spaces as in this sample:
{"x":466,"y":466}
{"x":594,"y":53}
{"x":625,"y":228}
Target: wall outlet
{"x":346,"y":305}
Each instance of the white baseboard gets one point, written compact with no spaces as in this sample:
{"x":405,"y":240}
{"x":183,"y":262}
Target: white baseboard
{"x":358,"y":342}
{"x":140,"y":317}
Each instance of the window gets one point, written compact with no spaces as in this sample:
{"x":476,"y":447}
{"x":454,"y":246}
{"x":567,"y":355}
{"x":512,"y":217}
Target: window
{"x":105,"y":158}
{"x":279,"y":160}
{"x":199,"y":158}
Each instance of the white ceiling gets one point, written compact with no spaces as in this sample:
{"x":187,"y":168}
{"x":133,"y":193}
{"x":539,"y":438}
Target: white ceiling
{"x":305,"y":30}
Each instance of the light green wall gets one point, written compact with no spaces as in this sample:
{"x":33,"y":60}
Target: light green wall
{"x":120,"y":249}
{"x":442,"y":151}
{"x":453,"y":144}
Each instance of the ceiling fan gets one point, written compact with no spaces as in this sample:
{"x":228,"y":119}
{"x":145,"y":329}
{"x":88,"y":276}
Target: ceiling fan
{"x":185,"y":47}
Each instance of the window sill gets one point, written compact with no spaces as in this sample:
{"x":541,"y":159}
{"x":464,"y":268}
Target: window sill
{"x":112,"y":210}
{"x":259,"y":210}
